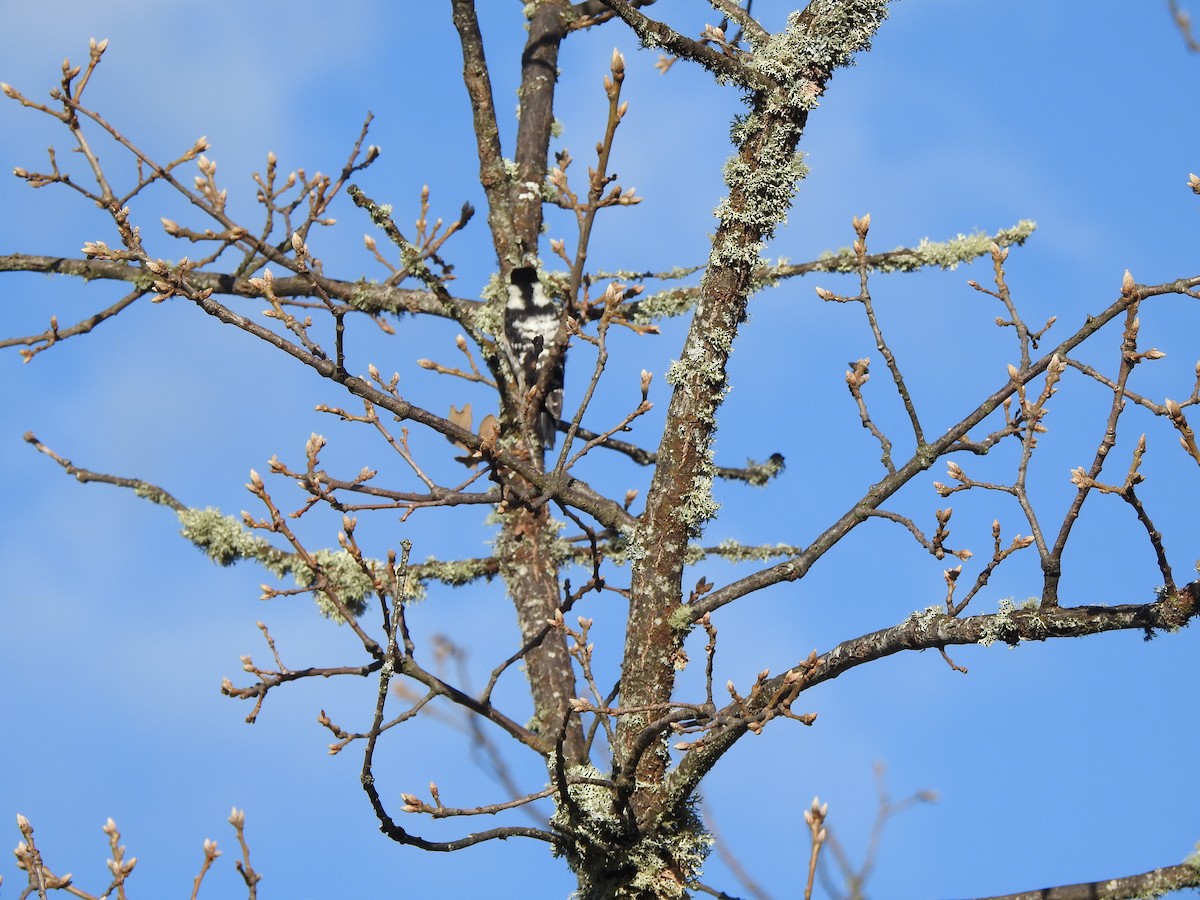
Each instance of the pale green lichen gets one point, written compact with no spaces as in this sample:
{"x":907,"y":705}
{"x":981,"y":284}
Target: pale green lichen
{"x":948,"y":255}
{"x":760,"y":191}
{"x":1001,"y":626}
{"x":925,"y":618}
{"x":732,"y":551}
{"x":363,"y":298}
{"x":488,"y":317}
{"x":153,"y":494}
{"x":145,"y":282}
{"x":594,"y":800}
{"x":844,"y":29}
{"x":1193,"y":859}
{"x":611,"y":863}
{"x":759,"y":474}
{"x":454,"y":573}
{"x":964,"y":248}
{"x":618,"y":550}
{"x":697,"y":505}
{"x":697,"y":361}
{"x":700,"y":370}
{"x":675,"y":273}
{"x":764,"y":174}
{"x":226,"y":540}
{"x":665,"y":304}
{"x":345,"y":579}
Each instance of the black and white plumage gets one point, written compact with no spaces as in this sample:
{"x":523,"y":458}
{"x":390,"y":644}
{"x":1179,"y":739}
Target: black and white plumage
{"x":531,"y":323}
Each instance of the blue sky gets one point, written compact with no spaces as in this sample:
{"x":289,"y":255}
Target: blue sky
{"x":1054,"y":763}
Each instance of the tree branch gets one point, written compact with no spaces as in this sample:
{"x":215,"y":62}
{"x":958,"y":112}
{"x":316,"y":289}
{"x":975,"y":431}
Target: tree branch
{"x":492,"y":175}
{"x":653,"y":34}
{"x":1156,"y":883}
{"x":762,"y":179}
{"x":922,"y":459}
{"x":931,"y":629}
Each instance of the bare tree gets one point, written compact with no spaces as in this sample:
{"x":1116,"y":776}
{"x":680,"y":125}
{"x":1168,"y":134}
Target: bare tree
{"x":625,"y":728}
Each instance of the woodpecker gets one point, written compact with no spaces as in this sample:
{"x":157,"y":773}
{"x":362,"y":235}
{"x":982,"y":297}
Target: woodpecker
{"x":530,"y":325}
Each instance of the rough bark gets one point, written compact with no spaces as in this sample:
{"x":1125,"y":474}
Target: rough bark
{"x":524,"y":545}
